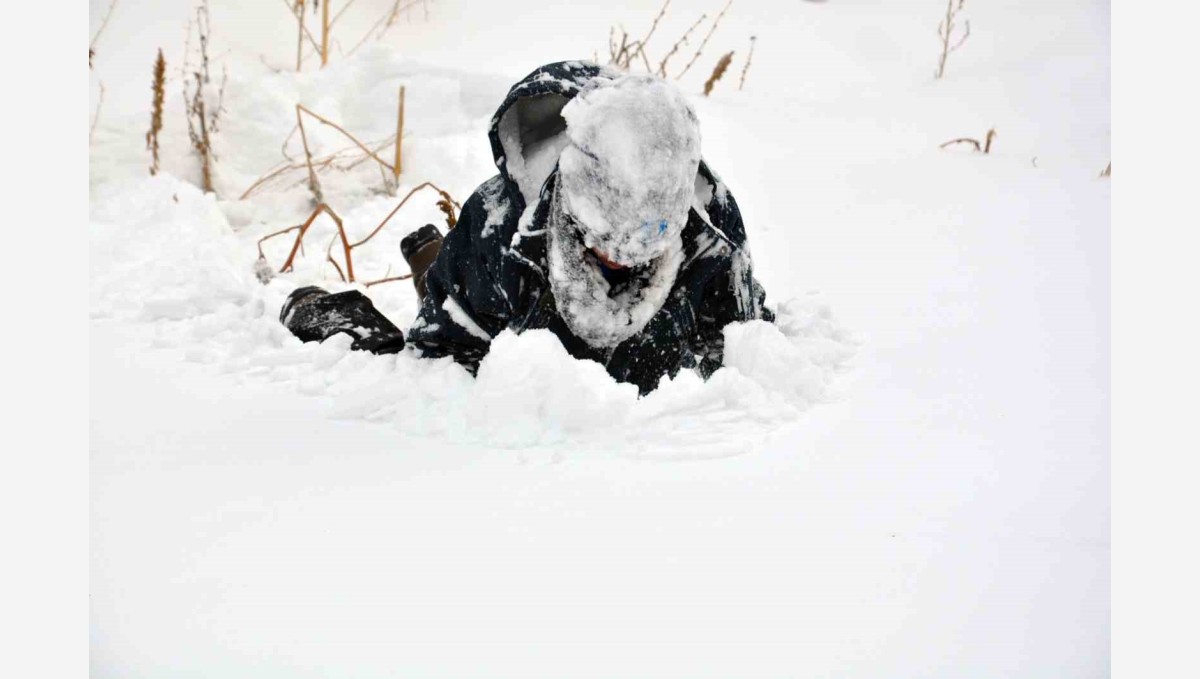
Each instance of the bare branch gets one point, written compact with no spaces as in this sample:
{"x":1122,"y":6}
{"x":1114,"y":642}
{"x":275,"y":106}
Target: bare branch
{"x":711,"y":29}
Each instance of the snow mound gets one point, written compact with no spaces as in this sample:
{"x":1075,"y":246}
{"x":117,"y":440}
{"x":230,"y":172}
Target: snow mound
{"x":164,"y":257}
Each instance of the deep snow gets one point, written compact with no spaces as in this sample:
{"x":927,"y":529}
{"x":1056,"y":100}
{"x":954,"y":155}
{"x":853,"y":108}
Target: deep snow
{"x":909,"y":476}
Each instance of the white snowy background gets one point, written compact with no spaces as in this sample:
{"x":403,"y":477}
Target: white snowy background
{"x":908,"y":477}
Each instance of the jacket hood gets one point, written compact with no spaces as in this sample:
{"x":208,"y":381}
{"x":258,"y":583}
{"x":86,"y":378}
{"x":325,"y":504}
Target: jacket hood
{"x":527,"y":131}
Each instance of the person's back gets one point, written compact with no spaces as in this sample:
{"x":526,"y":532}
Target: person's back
{"x":604,"y":226}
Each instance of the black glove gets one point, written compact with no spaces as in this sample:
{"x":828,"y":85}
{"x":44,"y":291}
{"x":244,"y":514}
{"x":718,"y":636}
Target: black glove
{"x":314,"y":315}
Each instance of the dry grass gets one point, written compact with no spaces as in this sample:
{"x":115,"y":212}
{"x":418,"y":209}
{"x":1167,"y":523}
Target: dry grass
{"x":985,"y":147}
{"x":746,"y":68}
{"x":103,"y":25}
{"x":398,"y":163}
{"x":96,"y":115}
{"x":158,"y":86}
{"x":322,"y":47}
{"x":718,"y":71}
{"x":624,"y":51}
{"x":711,"y":29}
{"x":202,"y":119}
{"x":945,"y":32}
{"x":445,"y":202}
{"x":662,"y":65}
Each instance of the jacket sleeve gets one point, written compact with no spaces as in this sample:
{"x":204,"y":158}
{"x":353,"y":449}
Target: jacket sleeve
{"x":731,"y":293}
{"x":464,"y":307}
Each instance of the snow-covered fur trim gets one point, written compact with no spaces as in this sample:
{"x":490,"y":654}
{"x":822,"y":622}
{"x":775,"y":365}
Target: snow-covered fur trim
{"x":601,"y":314}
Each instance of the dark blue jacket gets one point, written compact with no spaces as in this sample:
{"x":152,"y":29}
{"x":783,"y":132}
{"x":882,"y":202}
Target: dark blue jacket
{"x":491,"y":272}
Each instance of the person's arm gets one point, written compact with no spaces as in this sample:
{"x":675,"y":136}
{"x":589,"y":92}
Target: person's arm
{"x":463,"y":308}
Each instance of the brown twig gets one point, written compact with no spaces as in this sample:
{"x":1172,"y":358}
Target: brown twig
{"x":662,"y":65}
{"x":269,"y":236}
{"x":1107,"y":170}
{"x":96,"y":37}
{"x":987,"y":144}
{"x":313,"y":184}
{"x":347,"y":247}
{"x":424,"y":185}
{"x":324,"y":33}
{"x":301,"y":108}
{"x":711,"y":29}
{"x":963,"y":140}
{"x":397,"y":165}
{"x":641,"y":49}
{"x":388,"y":279}
{"x":946,"y":29}
{"x":96,"y":115}
{"x":718,"y":71}
{"x":322,"y":207}
{"x":746,"y":68}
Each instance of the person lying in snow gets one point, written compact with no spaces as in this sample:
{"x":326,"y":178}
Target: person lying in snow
{"x":604,"y":226}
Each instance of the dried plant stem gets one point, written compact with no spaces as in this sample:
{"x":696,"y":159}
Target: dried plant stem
{"x":746,"y":68}
{"x":1107,"y":170}
{"x":322,"y":207}
{"x":945,"y":31}
{"x":963,"y":140}
{"x":325,"y":33}
{"x":319,"y":164}
{"x":347,"y":247}
{"x":383,"y":163}
{"x":156,"y":110}
{"x":313,"y":184}
{"x":300,"y":37}
{"x":96,"y":115}
{"x":711,"y":29}
{"x":987,"y":144}
{"x":641,"y":48}
{"x":396,"y":166}
{"x":662,"y":65}
{"x":388,"y":279}
{"x":424,"y":185}
{"x":269,"y":236}
{"x":103,"y":25}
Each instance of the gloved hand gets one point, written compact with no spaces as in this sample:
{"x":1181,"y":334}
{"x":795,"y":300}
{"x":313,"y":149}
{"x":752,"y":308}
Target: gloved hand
{"x":314,"y":315}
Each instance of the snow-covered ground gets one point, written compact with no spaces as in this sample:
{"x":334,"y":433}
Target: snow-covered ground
{"x":907,"y":477}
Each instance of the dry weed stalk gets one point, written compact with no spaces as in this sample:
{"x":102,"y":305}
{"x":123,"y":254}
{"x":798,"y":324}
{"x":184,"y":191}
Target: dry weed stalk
{"x":347,"y":274}
{"x":718,"y":71}
{"x":662,"y":65}
{"x":1107,"y":170}
{"x":622,"y":56}
{"x":313,"y":185}
{"x":324,"y":32}
{"x":322,"y":48}
{"x":746,"y":68}
{"x":343,"y":159}
{"x":312,"y":176}
{"x":985,"y":147}
{"x":398,"y":164}
{"x":202,"y":118}
{"x":103,"y":25}
{"x":96,"y":115}
{"x":711,"y":29}
{"x":156,"y":110}
{"x":946,"y":29}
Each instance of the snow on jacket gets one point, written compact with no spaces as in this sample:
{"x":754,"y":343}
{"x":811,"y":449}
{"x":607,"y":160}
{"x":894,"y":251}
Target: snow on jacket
{"x":491,"y":273}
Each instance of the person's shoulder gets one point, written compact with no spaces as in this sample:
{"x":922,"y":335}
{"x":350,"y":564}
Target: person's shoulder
{"x":717,"y":205}
{"x":490,"y":209}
